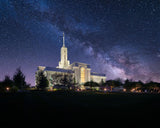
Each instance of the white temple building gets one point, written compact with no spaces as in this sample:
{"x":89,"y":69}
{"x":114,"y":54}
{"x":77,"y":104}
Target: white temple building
{"x":80,"y":72}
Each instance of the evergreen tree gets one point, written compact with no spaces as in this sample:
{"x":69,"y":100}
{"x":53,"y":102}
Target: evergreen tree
{"x":102,"y":83}
{"x":42,"y":81}
{"x":1,"y":87}
{"x":7,"y":82}
{"x":127,"y":85}
{"x":19,"y":79}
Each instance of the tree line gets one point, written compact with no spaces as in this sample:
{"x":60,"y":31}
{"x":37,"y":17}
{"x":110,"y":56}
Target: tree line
{"x":17,"y":82}
{"x":127,"y":85}
{"x":14,"y":84}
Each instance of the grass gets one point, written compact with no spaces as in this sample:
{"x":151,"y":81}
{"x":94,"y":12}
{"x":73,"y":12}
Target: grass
{"x":68,"y":108}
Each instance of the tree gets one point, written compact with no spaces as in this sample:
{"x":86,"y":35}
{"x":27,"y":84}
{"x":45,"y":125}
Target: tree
{"x":152,"y":86}
{"x":67,"y":80}
{"x":139,"y":85}
{"x":8,"y":85}
{"x":74,"y":81}
{"x":118,"y":82}
{"x":102,"y":83}
{"x":56,"y":78}
{"x":7,"y":82}
{"x":114,"y":83}
{"x":2,"y":89}
{"x":91,"y":84}
{"x":128,"y":85}
{"x":19,"y":80}
{"x":64,"y":80}
{"x":42,"y":81}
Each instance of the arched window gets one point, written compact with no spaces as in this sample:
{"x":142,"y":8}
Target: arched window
{"x":82,"y":75}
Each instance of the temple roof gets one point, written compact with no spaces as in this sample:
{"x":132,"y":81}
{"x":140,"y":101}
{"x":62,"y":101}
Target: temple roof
{"x":57,"y":69}
{"x":97,"y":74}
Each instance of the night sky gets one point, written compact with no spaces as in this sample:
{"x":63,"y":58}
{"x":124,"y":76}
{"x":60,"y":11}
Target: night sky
{"x":120,"y":38}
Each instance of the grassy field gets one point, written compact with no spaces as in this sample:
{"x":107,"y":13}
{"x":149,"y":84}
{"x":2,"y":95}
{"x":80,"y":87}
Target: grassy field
{"x":78,"y":109}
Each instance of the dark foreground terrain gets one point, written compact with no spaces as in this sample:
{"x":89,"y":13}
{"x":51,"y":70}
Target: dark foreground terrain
{"x":64,"y":108}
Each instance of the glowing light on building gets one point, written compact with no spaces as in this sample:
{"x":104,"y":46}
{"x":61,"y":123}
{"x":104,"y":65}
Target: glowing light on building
{"x":82,"y":75}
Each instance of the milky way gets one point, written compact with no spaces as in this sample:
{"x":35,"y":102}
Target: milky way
{"x":120,"y":38}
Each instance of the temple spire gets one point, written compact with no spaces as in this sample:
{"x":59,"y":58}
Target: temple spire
{"x":64,"y":63}
{"x":63,"y":40}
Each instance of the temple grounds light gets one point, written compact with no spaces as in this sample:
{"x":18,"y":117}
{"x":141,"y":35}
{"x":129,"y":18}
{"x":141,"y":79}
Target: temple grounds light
{"x":124,"y":90}
{"x":105,"y":89}
{"x":7,"y":88}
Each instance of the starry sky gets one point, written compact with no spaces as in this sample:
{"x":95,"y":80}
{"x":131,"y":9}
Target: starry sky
{"x":120,"y":38}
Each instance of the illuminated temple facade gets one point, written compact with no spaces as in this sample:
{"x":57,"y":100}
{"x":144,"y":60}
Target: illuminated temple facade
{"x":80,"y":72}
